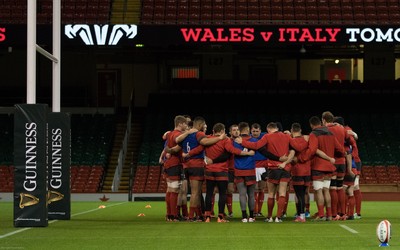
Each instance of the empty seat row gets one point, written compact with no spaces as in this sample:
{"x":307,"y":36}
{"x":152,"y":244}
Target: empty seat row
{"x":80,"y":11}
{"x":268,"y":12}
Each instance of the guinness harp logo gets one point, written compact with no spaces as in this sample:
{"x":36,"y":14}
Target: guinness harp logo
{"x":27,"y":200}
{"x":53,"y":196}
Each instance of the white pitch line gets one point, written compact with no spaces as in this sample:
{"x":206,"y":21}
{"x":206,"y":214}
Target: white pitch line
{"x":349,"y":229}
{"x":15,"y":232}
{"x":89,"y":211}
{"x":85,"y":212}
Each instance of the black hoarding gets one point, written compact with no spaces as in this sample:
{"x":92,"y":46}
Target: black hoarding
{"x":131,"y":35}
{"x":30,"y":185}
{"x":59,"y":161}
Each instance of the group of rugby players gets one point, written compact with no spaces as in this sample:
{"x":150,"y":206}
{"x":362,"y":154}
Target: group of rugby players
{"x":327,"y":159}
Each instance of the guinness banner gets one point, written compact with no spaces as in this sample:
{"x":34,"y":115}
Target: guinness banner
{"x":30,"y":188}
{"x":59,"y":161}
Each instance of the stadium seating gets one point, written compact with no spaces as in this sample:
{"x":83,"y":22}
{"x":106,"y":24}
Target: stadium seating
{"x":6,"y":178}
{"x":377,"y":144}
{"x":139,"y":183}
{"x":6,"y":139}
{"x":216,"y":12}
{"x":86,"y":179}
{"x":272,"y":12}
{"x":380,"y":174}
{"x":72,"y":11}
{"x":91,"y":146}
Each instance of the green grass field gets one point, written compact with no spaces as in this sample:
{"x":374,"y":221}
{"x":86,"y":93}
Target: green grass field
{"x":118,"y":226}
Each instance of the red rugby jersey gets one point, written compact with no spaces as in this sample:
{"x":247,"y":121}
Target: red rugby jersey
{"x":321,"y":138}
{"x":354,"y":153}
{"x":341,"y":135}
{"x":216,"y":150}
{"x":176,"y":158}
{"x":301,"y":168}
{"x":277,"y":143}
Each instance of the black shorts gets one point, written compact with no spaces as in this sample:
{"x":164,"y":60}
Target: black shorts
{"x":196,"y":174}
{"x":174,"y":172}
{"x":301,"y":180}
{"x":358,"y":165}
{"x":248,"y":180}
{"x":340,"y":170}
{"x":276,"y":176}
{"x":231,"y":176}
{"x":216,"y":176}
{"x":320,"y":175}
{"x":348,"y":180}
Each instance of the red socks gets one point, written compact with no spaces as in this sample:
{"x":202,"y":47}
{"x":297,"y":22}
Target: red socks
{"x":358,"y":198}
{"x":229,"y":198}
{"x":334,"y":201}
{"x":281,"y":206}
{"x":341,"y":200}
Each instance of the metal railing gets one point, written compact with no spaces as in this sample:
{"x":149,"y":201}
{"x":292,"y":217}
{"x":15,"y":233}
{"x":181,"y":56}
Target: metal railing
{"x":123,"y":150}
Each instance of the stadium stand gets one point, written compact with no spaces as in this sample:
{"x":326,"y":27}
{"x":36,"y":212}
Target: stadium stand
{"x":6,"y":178}
{"x":269,"y":12}
{"x":92,"y":137}
{"x":86,"y":179}
{"x":209,"y":12}
{"x":377,"y":144}
{"x":72,"y":11}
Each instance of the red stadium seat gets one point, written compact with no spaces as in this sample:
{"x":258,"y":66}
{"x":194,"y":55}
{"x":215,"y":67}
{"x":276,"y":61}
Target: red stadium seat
{"x":241,"y":17}
{"x":334,"y":3}
{"x":372,"y":18}
{"x":229,"y":15}
{"x":277,"y":18}
{"x":253,"y":15}
{"x":335,"y":10}
{"x":253,"y":5}
{"x":206,"y":17}
{"x":206,"y":7}
{"x":380,"y":3}
{"x":265,"y":7}
{"x":300,"y":10}
{"x":182,"y":17}
{"x":336,"y":18}
{"x":359,"y":18}
{"x":298,"y":3}
{"x":369,"y":3}
{"x":358,"y":3}
{"x":289,"y":18}
{"x":311,"y":3}
{"x":301,"y":18}
{"x":218,"y":5}
{"x":312,"y":18}
{"x":288,"y":10}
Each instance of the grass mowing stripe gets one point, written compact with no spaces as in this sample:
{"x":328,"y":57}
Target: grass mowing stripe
{"x":349,"y":229}
{"x":85,"y":212}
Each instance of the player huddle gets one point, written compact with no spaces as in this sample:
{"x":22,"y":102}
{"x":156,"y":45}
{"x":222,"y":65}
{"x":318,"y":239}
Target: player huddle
{"x":327,"y":159}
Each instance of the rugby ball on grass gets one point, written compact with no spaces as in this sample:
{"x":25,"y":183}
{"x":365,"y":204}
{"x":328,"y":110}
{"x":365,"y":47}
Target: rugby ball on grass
{"x":383,"y":231}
